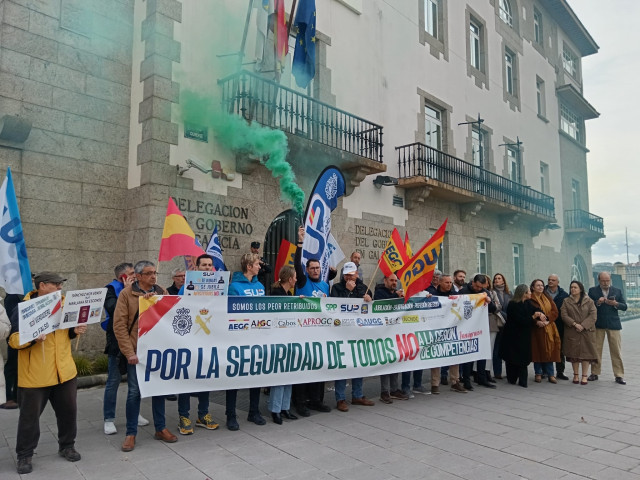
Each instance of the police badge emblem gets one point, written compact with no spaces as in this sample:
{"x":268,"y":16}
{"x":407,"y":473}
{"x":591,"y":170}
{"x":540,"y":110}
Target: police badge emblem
{"x":182,"y":322}
{"x":467,"y":309}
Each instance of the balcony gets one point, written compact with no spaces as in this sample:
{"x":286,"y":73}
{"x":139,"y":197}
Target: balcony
{"x":425,"y":171}
{"x":318,"y":133}
{"x":585,"y":224}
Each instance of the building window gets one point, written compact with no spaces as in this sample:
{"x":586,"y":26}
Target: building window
{"x":515,"y":174}
{"x":505,"y":12}
{"x":544,"y":178}
{"x":482,"y":249}
{"x":431,"y":17}
{"x":478,"y":147}
{"x":537,"y":27}
{"x":575,"y":194}
{"x":509,"y":72}
{"x":570,"y":123}
{"x":475,"y":43}
{"x":540,"y":102}
{"x":433,"y":127}
{"x":518,"y":263}
{"x":570,"y":62}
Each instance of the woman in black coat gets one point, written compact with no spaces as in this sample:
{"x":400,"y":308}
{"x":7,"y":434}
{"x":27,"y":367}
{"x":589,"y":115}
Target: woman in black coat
{"x":515,"y":346}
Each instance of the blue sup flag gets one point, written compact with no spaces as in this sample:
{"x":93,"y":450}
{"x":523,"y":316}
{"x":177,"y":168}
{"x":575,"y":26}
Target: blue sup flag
{"x":15,"y":274}
{"x":318,"y":242}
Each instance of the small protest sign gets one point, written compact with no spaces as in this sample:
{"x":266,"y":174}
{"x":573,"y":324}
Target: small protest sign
{"x":39,"y":316}
{"x":82,"y":307}
{"x":206,"y":283}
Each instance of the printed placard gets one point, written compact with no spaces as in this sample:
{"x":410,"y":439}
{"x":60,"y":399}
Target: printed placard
{"x":39,"y":316}
{"x":211,"y":284}
{"x":82,"y":307}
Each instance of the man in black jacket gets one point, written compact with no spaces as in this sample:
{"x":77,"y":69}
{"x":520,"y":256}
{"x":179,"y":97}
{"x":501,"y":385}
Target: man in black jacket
{"x":473,"y":287}
{"x":608,"y":301}
{"x":351,"y":287}
{"x":558,"y":294}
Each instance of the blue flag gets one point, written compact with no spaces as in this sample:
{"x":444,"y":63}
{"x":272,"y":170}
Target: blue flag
{"x":215,"y":251}
{"x":304,"y":57}
{"x":318,"y":241}
{"x":15,"y":274}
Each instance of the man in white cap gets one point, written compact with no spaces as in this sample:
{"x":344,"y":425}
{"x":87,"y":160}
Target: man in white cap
{"x":351,"y":287}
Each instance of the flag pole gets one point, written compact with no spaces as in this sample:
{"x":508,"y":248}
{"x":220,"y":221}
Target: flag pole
{"x":373,"y":276}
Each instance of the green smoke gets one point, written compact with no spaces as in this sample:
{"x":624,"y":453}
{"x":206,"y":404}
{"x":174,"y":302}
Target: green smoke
{"x":235,"y":134}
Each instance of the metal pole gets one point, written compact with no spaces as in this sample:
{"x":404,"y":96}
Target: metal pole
{"x":244,"y":36}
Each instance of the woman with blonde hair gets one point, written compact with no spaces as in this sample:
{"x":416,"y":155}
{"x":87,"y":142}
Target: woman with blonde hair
{"x":545,"y":339}
{"x":579,"y":316}
{"x":515,"y":347}
{"x":280,"y":396}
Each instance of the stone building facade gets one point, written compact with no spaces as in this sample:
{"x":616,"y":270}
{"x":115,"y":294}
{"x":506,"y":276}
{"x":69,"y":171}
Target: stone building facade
{"x":394,"y":104}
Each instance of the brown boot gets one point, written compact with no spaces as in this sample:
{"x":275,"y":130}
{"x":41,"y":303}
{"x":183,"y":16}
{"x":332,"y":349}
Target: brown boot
{"x":342,"y":406}
{"x":129,"y":443}
{"x":166,"y":436}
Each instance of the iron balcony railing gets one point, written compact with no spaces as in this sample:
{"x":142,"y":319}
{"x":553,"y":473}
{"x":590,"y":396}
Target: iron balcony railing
{"x":583,"y":220}
{"x":273,"y":105}
{"x":417,"y":159}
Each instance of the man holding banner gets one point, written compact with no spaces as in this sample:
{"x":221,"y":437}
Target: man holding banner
{"x":46,"y":373}
{"x":125,"y":326}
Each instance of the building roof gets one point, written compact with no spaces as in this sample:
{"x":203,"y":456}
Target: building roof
{"x":566,"y":18}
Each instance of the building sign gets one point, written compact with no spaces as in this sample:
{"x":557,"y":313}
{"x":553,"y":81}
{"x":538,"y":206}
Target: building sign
{"x":203,"y":217}
{"x":370,"y":240}
{"x":196,"y":132}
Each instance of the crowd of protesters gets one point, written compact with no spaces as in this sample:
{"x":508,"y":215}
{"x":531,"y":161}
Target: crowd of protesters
{"x":537,"y":323}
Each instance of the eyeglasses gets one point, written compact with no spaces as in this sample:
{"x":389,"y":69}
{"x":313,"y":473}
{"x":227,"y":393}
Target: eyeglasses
{"x":149,"y":274}
{"x":179,"y":276}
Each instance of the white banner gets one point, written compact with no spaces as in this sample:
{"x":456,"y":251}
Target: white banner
{"x":194,"y":344}
{"x":82,"y":307}
{"x":206,"y":283}
{"x":39,"y":316}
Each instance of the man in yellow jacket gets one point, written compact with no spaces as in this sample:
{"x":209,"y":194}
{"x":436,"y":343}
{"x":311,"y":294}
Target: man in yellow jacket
{"x":46,"y":373}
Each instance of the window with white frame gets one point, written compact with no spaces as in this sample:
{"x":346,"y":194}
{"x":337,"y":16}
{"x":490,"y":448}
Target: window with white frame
{"x":518,"y":263}
{"x":575,"y":194}
{"x":544,"y":178}
{"x":431,"y":17}
{"x":433,"y":127}
{"x":540,"y":101}
{"x":475,"y":43}
{"x":537,"y":27}
{"x":478,"y":147}
{"x":482,"y":250}
{"x":570,"y":62}
{"x":570,"y":123}
{"x":509,"y":72}
{"x":505,"y":12}
{"x":514,"y":165}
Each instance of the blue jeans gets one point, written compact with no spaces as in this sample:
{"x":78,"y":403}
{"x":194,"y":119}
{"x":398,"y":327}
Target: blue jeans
{"x":133,"y":405}
{"x":111,"y":389}
{"x":133,"y":400}
{"x":543,"y":368}
{"x":341,"y":387}
{"x":406,"y":380}
{"x":280,"y":398}
{"x":184,"y":404}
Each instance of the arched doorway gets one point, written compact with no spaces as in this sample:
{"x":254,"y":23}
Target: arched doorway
{"x":283,"y":227}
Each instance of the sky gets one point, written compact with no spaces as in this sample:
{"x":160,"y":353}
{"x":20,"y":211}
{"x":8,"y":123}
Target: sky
{"x":609,"y":78}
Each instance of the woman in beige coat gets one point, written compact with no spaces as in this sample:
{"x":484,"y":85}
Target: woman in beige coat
{"x":579,"y":315}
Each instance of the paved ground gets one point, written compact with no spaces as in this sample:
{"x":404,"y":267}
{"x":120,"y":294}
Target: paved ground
{"x":544,"y":432}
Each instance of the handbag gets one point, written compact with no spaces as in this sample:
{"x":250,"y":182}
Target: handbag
{"x":123,"y":362}
{"x":500,"y":320}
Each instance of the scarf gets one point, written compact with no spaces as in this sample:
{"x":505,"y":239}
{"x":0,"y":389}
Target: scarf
{"x":544,"y":302}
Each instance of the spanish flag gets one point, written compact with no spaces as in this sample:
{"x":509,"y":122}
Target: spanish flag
{"x":177,"y":236}
{"x":394,"y":255}
{"x":281,"y":34}
{"x":416,"y":274}
{"x":407,"y":245}
{"x":286,"y":254}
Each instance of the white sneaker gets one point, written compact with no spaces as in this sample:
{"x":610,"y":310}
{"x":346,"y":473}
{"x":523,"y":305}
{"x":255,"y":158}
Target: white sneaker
{"x":110,"y":428}
{"x":142,"y":422}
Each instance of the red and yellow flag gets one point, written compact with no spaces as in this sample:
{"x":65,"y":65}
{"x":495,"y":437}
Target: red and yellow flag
{"x":407,"y":245}
{"x":286,"y":253}
{"x":177,"y":236}
{"x":416,"y":274}
{"x":394,"y":255}
{"x":280,"y":33}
